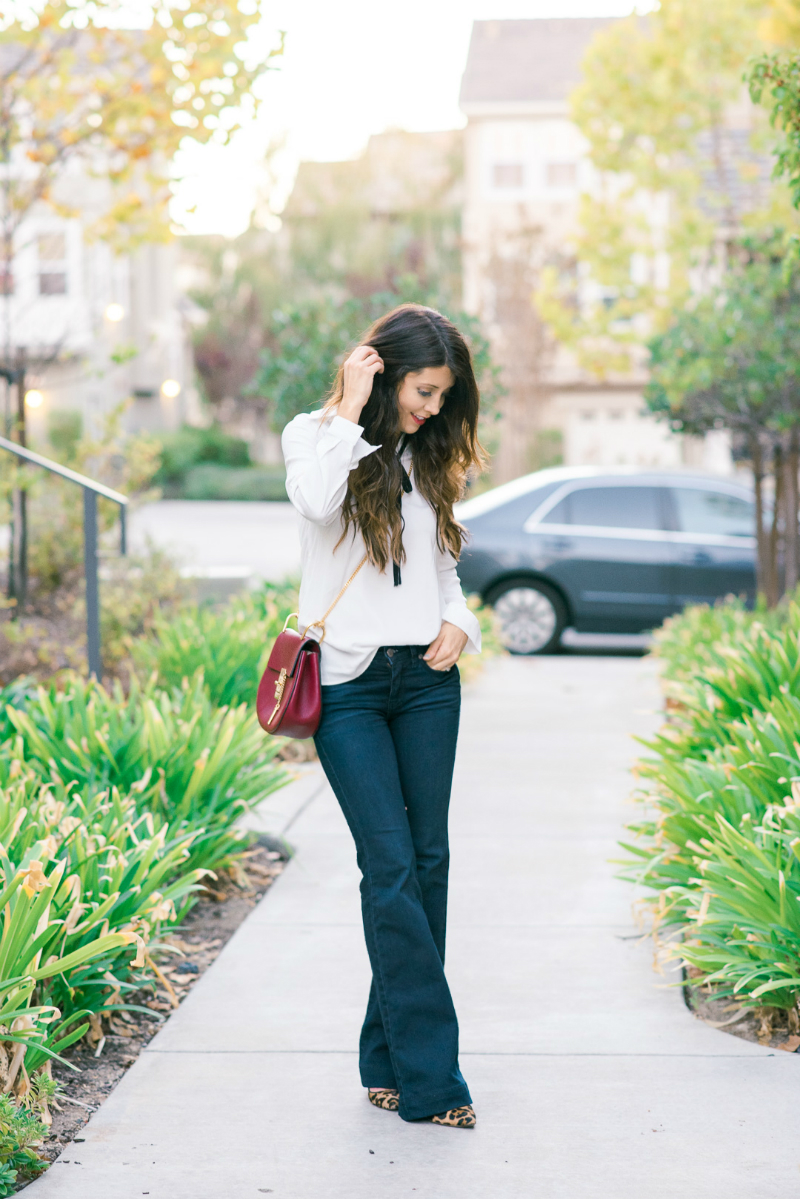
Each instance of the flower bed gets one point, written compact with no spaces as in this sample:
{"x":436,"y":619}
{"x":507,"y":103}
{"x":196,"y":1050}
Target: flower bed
{"x":118,"y":808}
{"x":717,"y":843}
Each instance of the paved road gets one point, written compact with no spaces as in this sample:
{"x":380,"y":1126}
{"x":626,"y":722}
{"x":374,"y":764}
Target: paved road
{"x":222,"y":539}
{"x":590,"y":1077}
{"x":225,"y":545}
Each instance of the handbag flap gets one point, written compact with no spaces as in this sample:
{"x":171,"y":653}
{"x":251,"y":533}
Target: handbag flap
{"x":287,"y":649}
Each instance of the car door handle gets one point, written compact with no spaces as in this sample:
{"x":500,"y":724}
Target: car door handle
{"x":557,"y":545}
{"x":697,"y":558}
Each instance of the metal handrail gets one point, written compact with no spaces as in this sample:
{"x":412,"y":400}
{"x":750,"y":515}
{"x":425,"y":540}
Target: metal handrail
{"x":91,"y":490}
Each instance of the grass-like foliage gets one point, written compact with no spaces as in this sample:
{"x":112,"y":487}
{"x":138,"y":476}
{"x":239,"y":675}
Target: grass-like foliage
{"x":232,"y":643}
{"x":718,"y":841}
{"x":195,"y":767}
{"x":114,"y":805}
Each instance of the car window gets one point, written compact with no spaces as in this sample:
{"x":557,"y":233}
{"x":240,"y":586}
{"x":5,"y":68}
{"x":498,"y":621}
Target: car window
{"x":701,"y":511}
{"x":610,"y":508}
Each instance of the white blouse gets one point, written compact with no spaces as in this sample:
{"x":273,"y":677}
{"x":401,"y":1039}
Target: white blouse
{"x":372,"y":612}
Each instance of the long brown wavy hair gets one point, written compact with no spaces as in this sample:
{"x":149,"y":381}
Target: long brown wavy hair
{"x":444,"y":450}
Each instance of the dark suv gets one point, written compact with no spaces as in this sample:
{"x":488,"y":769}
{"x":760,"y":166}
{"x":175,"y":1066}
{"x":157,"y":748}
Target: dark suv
{"x":605,"y":550}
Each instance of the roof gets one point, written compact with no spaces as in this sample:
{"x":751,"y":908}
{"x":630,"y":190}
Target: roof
{"x":398,"y":172}
{"x":526,"y":61}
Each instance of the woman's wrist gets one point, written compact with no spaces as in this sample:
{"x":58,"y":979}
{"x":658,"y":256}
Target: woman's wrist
{"x":350,"y":409}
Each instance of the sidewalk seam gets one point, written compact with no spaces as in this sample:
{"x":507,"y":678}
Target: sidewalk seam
{"x":304,"y":806}
{"x":756,"y":1057}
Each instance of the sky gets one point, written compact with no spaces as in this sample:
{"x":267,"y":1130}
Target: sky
{"x":350,"y":68}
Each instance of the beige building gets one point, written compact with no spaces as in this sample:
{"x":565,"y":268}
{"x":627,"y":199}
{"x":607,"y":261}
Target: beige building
{"x":95,"y":328}
{"x":526,"y":165}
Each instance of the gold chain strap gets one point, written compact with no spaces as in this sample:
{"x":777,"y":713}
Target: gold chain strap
{"x":320,"y":624}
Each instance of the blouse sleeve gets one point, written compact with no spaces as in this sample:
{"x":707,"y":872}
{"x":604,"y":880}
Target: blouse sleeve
{"x":454,"y":606}
{"x":319,"y":457}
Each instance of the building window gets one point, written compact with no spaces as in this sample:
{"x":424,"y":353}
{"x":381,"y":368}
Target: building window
{"x":52,"y":250}
{"x":52,"y":247}
{"x":508,"y":174}
{"x":52,"y":283}
{"x":6,"y":283}
{"x":561,"y":174}
{"x":587,"y":414}
{"x":616,"y":414}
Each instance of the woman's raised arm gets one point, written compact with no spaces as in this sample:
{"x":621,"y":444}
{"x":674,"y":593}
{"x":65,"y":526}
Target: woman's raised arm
{"x":320,"y":452}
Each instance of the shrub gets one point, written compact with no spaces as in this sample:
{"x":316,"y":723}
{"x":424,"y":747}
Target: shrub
{"x":189,"y":447}
{"x":214,"y":482}
{"x":732,"y":678}
{"x":233,"y":643}
{"x":20,"y":1133}
{"x":196,"y":767}
{"x":718,"y":844}
{"x":55,"y":507}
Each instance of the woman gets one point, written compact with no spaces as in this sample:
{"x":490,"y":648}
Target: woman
{"x":374,"y":476}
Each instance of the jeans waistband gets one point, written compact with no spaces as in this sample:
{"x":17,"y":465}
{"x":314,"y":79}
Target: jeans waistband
{"x":403,"y":651}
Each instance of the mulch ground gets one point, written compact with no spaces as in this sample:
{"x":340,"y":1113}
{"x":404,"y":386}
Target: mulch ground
{"x":197,"y":942}
{"x":768,"y":1026}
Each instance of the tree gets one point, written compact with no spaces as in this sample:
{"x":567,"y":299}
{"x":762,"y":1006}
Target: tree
{"x":239,"y":284}
{"x":680,"y":169}
{"x":357,"y":239}
{"x":78,"y":89}
{"x":393,"y":212}
{"x":309,"y":339}
{"x":731,"y":359}
{"x":120,"y":101}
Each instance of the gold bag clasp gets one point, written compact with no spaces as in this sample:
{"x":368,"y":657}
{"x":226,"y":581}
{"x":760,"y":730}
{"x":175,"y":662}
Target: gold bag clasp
{"x":280,"y":684}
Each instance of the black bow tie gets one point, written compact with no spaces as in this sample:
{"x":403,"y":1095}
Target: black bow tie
{"x":407,"y":488}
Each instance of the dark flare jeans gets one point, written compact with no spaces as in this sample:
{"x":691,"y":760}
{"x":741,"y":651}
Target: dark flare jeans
{"x":387,"y":743}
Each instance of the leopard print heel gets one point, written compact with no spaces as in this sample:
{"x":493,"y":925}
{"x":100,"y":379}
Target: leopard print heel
{"x":457,"y":1117}
{"x":387,"y":1099}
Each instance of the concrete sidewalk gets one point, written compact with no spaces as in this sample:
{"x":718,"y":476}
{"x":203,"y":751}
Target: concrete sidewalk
{"x":590,"y":1077}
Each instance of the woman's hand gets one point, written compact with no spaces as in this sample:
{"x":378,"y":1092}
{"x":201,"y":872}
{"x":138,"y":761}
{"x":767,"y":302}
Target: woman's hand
{"x":445,"y":651}
{"x":360,"y":370}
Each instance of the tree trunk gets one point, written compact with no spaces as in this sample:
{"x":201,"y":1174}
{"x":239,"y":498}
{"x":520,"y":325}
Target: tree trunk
{"x":762,"y":540}
{"x":18,"y":549}
{"x":774,"y":585}
{"x":791,"y":553}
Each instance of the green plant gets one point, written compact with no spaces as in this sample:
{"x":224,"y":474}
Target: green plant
{"x":732,"y":680}
{"x":64,"y":431}
{"x":20,"y":1134}
{"x":135,"y":591}
{"x":232,"y":643}
{"x":774,"y":82}
{"x":718,"y":841}
{"x":190,"y":446}
{"x":471,"y":665}
{"x":310,"y":338}
{"x":694,"y":639}
{"x":34,"y":949}
{"x":654,"y":105}
{"x":213,"y":482}
{"x":729,"y":360}
{"x":123,"y":461}
{"x":194,"y":766}
{"x":110,"y":870}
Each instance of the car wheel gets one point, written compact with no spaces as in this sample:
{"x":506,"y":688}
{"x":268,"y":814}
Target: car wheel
{"x":531,"y":617}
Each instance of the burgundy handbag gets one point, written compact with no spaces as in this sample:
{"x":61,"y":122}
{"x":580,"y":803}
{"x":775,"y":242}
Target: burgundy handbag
{"x":289,"y":700}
